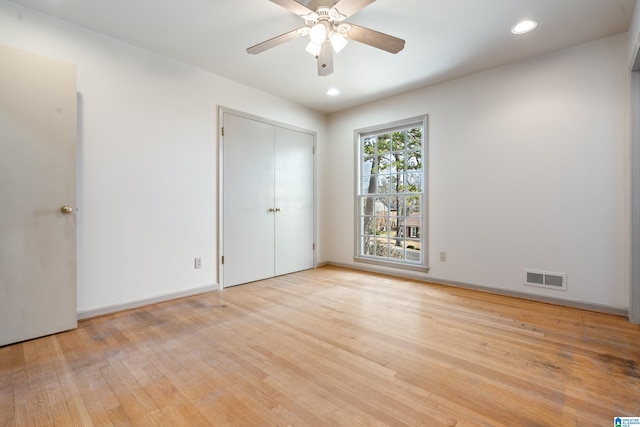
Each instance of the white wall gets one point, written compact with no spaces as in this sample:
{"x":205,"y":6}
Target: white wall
{"x":147,"y":173}
{"x":527,"y":169}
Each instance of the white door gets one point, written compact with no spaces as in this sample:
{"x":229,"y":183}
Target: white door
{"x":248,"y":191}
{"x":294,"y":237}
{"x":268,"y":194}
{"x":37,"y":178}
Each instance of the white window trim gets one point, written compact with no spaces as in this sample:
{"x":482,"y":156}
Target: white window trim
{"x":364,"y":132}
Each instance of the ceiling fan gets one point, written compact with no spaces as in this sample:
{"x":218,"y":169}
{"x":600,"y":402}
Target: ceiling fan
{"x":325,"y":26}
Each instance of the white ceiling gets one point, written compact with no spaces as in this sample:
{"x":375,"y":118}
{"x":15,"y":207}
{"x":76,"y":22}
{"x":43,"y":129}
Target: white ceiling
{"x":445,"y":39}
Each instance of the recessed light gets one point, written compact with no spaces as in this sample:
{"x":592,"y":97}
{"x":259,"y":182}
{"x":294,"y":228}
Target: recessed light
{"x":333,"y":92}
{"x":524,"y":27}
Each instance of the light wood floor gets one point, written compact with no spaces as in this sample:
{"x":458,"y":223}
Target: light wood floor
{"x":329,"y":347}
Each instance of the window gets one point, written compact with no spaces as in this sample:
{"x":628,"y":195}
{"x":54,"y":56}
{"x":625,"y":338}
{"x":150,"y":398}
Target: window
{"x":391,"y":198}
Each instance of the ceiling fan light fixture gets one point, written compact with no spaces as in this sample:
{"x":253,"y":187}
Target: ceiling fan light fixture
{"x":523,"y":27}
{"x":343,"y":29}
{"x":336,"y":16}
{"x":318,"y":33}
{"x":313,"y":48}
{"x":312,"y":17}
{"x":337,"y":41}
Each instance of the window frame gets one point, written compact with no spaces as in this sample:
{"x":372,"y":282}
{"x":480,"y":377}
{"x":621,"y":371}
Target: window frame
{"x":359,"y":136}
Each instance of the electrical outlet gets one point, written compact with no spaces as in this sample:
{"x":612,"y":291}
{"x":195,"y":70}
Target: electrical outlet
{"x":197,"y":263}
{"x":443,"y":257}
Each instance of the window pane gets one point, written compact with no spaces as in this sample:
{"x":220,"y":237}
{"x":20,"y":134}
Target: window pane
{"x":414,"y":182}
{"x":367,"y":223}
{"x":382,"y":243}
{"x":400,"y":203}
{"x":381,"y":207}
{"x":369,"y":145}
{"x":383,"y":184}
{"x":398,"y":141}
{"x":384,"y":143}
{"x":413,"y":244}
{"x":367,"y":166}
{"x":400,"y":162}
{"x":414,"y":138}
{"x":368,"y":246}
{"x":413,"y":160}
{"x":368,"y":184}
{"x":412,"y":224}
{"x":395,"y":184}
{"x":367,"y":206}
{"x":413,"y":250}
{"x":385,"y":164}
{"x":412,"y":205}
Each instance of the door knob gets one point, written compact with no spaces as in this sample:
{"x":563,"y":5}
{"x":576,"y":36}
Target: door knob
{"x":277,"y":209}
{"x":271,"y":210}
{"x":66,"y":210}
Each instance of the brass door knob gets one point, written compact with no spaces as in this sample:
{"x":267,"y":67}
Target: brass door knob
{"x":66,"y":210}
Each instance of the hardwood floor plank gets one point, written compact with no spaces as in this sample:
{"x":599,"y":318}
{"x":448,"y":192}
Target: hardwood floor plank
{"x":56,"y":400}
{"x":39,"y":380}
{"x":11,"y":412}
{"x":71,"y":397}
{"x":329,"y":347}
{"x":84,"y":366}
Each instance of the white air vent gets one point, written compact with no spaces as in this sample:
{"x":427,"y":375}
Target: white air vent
{"x":545,"y":279}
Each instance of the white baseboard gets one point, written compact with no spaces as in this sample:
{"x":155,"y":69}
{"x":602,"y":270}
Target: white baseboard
{"x":601,"y":308}
{"x":95,"y":312}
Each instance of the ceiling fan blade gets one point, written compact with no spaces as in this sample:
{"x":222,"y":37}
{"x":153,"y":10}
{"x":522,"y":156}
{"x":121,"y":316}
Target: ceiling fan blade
{"x":315,"y":4}
{"x":293,"y":6}
{"x":349,"y":7}
{"x":374,"y":38}
{"x":325,"y":59}
{"x":268,"y":44}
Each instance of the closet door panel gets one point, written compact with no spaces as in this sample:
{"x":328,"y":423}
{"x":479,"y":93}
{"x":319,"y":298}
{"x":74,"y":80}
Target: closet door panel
{"x":248,"y":193}
{"x":294,"y":188}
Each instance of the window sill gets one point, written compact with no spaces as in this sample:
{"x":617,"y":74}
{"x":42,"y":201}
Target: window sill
{"x":398,"y":265}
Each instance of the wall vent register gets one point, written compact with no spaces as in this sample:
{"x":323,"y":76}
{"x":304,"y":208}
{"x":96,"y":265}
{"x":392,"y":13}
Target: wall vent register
{"x":545,"y":279}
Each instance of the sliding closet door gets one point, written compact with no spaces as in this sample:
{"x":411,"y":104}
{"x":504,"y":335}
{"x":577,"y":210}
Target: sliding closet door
{"x":294,"y":201}
{"x":248,"y":196}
